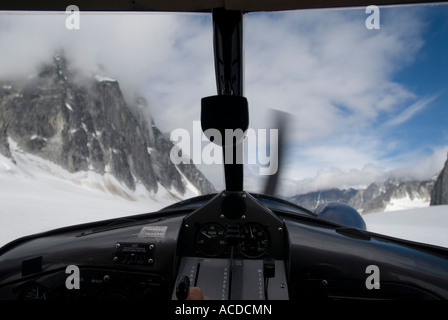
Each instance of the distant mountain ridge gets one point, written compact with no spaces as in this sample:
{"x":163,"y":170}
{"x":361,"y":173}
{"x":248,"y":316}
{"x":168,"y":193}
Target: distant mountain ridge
{"x":83,"y":123}
{"x":375,"y":198}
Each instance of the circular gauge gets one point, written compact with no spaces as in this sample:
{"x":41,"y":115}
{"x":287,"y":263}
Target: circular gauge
{"x":211,"y":239}
{"x":254,"y":240}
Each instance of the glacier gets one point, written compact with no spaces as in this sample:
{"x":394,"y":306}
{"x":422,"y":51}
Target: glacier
{"x":37,"y":195}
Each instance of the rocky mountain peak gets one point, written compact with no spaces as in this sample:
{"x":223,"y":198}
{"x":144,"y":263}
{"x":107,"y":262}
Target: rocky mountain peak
{"x":440,"y":192}
{"x":87,"y":125}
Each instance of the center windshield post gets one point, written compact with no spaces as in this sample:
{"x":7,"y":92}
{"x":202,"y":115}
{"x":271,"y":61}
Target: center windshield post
{"x":228,"y":111}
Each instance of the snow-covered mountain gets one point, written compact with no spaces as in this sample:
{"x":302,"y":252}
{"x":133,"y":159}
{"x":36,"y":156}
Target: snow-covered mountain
{"x":389,"y":195}
{"x":84,"y":124}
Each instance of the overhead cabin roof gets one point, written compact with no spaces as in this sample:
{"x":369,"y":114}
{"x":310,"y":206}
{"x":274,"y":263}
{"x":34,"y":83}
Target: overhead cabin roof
{"x":193,"y":5}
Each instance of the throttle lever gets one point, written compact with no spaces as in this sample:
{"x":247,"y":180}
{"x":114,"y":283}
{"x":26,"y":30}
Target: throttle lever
{"x":268,"y":272}
{"x":183,"y":288}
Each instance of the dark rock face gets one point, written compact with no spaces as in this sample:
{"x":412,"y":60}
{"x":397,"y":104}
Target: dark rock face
{"x":86,"y":124}
{"x":440,"y":192}
{"x":374,"y":198}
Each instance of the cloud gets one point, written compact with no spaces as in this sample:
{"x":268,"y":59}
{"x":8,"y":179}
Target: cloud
{"x":338,"y":178}
{"x":323,"y":66}
{"x":326,"y":68}
{"x":168,"y":58}
{"x":411,"y":111}
{"x":425,"y":167}
{"x":413,"y":168}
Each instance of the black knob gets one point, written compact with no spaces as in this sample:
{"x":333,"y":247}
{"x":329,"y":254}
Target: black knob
{"x":182,"y":288}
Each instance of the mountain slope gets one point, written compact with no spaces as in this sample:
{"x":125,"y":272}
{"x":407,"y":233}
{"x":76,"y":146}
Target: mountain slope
{"x":38,"y":195}
{"x":83,"y":123}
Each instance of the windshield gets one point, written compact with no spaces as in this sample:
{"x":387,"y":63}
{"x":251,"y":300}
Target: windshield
{"x":100,"y":114}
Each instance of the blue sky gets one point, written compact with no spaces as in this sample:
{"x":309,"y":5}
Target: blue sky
{"x":428,"y":76}
{"x":364,"y":104}
{"x":381,"y":96}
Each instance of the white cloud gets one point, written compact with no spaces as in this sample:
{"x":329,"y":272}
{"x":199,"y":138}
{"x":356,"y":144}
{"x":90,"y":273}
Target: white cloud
{"x":326,"y":177}
{"x":411,"y":111}
{"x":168,"y":58}
{"x":416,"y":166}
{"x":326,"y":68}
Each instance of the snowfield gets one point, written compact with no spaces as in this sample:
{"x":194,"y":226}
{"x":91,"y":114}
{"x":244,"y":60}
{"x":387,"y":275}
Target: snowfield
{"x":36,"y":195}
{"x":426,"y":225}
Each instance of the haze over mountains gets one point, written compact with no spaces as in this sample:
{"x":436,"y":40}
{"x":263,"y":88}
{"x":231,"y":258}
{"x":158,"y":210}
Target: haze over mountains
{"x":377,"y":197}
{"x":390,"y":195}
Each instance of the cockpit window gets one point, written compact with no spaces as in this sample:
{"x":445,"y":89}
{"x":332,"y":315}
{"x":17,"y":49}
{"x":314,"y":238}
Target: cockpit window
{"x":100,"y":114}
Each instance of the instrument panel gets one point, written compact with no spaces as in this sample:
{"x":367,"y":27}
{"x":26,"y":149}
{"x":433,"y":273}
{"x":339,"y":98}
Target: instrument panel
{"x":232,"y":224}
{"x":234,"y":248}
{"x":254,"y":240}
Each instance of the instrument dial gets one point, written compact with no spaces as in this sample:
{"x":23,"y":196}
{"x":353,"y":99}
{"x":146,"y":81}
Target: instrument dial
{"x":254,"y":240}
{"x":211,"y":239}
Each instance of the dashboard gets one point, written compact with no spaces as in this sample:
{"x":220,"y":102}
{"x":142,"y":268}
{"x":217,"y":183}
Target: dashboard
{"x":229,"y":244}
{"x":233,"y":245}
